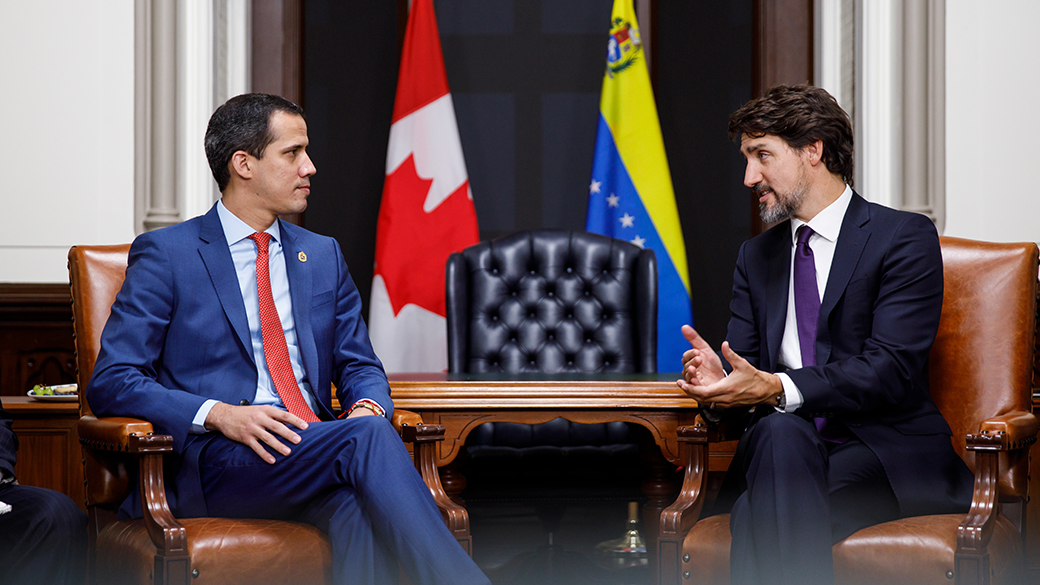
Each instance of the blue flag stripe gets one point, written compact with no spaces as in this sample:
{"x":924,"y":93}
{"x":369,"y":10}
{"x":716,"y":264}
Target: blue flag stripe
{"x":617,"y":210}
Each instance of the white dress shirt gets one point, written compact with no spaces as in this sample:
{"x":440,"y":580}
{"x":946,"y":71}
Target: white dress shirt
{"x":243,"y":254}
{"x":826,"y":227}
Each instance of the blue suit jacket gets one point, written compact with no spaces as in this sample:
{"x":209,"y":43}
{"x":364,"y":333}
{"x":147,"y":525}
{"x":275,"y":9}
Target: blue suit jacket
{"x":878,"y":320}
{"x":178,"y":335}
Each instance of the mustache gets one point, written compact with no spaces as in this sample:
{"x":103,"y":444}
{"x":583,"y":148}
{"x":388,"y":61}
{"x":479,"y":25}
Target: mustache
{"x":760,"y":188}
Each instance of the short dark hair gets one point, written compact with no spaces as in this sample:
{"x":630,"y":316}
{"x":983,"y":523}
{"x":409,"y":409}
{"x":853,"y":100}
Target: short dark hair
{"x":242,"y":123}
{"x":800,"y":115}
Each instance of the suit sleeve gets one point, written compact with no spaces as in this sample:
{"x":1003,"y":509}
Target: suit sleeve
{"x":357,"y":372}
{"x":903,"y":317}
{"x":126,"y":372}
{"x":742,"y":333}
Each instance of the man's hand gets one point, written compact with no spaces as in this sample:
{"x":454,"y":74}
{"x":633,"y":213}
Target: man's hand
{"x":360,"y":412}
{"x":745,"y":385}
{"x":701,"y":365}
{"x":256,"y":426}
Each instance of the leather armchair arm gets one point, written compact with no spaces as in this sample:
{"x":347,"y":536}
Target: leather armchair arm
{"x":403,"y":418}
{"x":110,"y":434}
{"x":1016,"y":429}
{"x":424,"y":439}
{"x":113,"y":446}
{"x":1002,"y":441}
{"x":677,"y":519}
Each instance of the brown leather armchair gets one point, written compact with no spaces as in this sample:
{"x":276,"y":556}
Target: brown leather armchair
{"x":165,"y":550}
{"x":981,"y":379}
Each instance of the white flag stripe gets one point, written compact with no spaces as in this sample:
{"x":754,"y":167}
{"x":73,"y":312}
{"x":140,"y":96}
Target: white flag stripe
{"x":414,"y":341}
{"x":430,"y":133}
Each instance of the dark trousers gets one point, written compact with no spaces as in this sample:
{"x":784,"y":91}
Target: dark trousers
{"x":353,"y":479}
{"x":802,"y":495}
{"x":43,"y":539}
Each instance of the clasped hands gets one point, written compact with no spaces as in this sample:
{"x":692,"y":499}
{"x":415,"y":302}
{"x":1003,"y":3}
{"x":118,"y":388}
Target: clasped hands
{"x":260,"y":425}
{"x":705,"y":379}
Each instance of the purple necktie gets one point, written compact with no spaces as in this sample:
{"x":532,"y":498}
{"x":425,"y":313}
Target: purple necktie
{"x":807,"y":313}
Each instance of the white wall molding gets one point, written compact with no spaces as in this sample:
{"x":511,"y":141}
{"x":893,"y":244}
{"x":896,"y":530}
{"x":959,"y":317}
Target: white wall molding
{"x":879,"y":84}
{"x":191,"y":56}
{"x":899,"y":102}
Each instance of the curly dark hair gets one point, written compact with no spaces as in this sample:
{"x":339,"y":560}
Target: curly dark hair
{"x":242,"y":123}
{"x":800,"y":115}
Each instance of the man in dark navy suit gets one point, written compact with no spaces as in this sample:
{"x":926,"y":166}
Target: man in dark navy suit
{"x":228,"y":333}
{"x":43,"y":535}
{"x":834,"y":313}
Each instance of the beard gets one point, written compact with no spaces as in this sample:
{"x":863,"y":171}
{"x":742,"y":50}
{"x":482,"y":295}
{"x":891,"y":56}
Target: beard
{"x":786,"y":203}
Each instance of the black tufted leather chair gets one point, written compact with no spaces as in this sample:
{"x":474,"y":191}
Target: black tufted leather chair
{"x":552,"y":301}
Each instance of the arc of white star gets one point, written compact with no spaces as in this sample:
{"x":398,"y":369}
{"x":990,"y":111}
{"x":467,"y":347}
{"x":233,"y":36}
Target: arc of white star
{"x":627,"y":220}
{"x":639,"y":241}
{"x":594,"y":187}
{"x":612,"y":201}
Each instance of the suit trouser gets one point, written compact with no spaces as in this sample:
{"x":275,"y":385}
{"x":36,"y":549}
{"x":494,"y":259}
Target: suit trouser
{"x":354,"y":479}
{"x":43,"y":539}
{"x":803,"y":495}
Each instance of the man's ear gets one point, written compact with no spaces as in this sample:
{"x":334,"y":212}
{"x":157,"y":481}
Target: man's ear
{"x":814,"y":150}
{"x":241,"y":164}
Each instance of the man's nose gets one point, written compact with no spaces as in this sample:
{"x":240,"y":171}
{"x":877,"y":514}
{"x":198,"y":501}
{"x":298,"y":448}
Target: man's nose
{"x":752,"y":176}
{"x":307,"y":168}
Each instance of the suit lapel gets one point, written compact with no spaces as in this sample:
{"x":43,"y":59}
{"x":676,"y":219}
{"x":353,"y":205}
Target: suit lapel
{"x":778,"y":286}
{"x":852,"y":241}
{"x":221,"y":268}
{"x":301,"y":284}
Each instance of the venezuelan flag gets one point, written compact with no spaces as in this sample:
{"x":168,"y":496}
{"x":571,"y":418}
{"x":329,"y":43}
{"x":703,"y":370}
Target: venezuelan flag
{"x":631,"y":196}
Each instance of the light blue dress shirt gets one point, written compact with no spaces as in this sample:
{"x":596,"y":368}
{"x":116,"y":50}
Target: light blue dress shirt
{"x":243,"y":254}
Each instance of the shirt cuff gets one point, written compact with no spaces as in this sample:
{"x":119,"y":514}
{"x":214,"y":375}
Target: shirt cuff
{"x":791,"y":393}
{"x":198,"y":424}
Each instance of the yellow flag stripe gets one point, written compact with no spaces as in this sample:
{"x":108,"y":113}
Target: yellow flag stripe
{"x":637,"y":135}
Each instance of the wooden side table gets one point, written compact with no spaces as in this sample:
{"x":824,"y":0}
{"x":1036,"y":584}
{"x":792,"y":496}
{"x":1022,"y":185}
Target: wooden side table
{"x":49,"y":454}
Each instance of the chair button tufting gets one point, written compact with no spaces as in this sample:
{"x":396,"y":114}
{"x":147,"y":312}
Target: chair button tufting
{"x":243,"y":402}
{"x":569,"y":270}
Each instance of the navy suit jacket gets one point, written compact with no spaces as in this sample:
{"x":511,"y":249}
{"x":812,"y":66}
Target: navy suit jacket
{"x":878,"y":319}
{"x":178,"y":335}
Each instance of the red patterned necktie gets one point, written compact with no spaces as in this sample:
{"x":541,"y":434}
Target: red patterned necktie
{"x":276,"y":352}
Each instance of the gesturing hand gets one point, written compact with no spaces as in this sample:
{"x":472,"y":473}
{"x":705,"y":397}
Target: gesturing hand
{"x":256,"y":426}
{"x":745,"y":385}
{"x":701,"y":365}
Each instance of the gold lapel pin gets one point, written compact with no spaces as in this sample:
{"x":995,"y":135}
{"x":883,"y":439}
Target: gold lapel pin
{"x":303,"y":257}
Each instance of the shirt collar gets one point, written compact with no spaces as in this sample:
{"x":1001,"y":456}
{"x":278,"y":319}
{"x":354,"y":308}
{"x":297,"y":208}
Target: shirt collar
{"x":827,"y":223}
{"x":236,"y":230}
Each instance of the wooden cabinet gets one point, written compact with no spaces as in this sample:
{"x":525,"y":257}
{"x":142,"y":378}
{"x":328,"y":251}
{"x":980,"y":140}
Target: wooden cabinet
{"x":49,"y":454}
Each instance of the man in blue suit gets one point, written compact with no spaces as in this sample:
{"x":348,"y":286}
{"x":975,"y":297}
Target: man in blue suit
{"x":235,"y":358}
{"x":834,"y":313}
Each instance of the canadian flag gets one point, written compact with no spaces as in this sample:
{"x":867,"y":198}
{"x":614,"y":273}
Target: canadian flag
{"x":426,"y":212}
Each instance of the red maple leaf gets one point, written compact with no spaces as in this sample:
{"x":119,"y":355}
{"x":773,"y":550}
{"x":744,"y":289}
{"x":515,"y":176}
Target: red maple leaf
{"x":413,"y":246}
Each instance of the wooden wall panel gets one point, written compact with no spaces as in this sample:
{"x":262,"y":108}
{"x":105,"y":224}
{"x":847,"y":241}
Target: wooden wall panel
{"x":36,"y":343}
